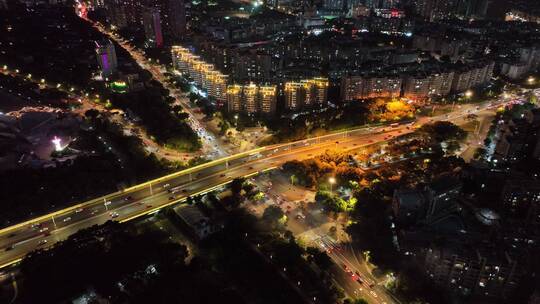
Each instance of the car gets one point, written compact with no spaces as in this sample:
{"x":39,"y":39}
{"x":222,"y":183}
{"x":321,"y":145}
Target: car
{"x":184,"y":190}
{"x":43,"y":229}
{"x":8,"y":248}
{"x":166,"y":185}
{"x":67,"y":219}
{"x":370,"y":141}
{"x":107,"y":203}
{"x":171,"y":198}
{"x":114,"y":214}
{"x":250,"y":168}
{"x":373,"y":293}
{"x":42,"y":242}
{"x":128,"y":198}
{"x":79,"y":210}
{"x":222,"y":175}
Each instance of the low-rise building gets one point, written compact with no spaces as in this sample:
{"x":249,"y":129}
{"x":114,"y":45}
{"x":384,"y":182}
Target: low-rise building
{"x":198,"y":224}
{"x":478,"y":272}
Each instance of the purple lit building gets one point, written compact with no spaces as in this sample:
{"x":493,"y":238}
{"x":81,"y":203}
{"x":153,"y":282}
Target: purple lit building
{"x":106,"y":56}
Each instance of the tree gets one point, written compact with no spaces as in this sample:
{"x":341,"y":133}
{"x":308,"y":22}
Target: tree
{"x":92,"y":113}
{"x":223,"y":127}
{"x":236,"y":186}
{"x":145,"y":75}
{"x":333,"y":202}
{"x":320,"y":258}
{"x":273,"y":215}
{"x":442,"y":131}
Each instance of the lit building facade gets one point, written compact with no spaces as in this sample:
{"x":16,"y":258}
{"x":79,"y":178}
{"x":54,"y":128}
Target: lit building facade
{"x":203,"y":74}
{"x":252,"y":98}
{"x":306,"y":93}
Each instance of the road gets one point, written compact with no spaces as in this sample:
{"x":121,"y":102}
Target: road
{"x":312,"y":226}
{"x":142,"y":199}
{"x":210,"y":146}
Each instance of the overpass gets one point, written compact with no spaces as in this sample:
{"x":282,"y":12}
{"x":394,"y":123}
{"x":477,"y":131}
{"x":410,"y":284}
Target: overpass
{"x":151,"y":196}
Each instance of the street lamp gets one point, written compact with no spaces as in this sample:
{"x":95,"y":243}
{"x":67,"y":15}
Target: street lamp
{"x":531,"y":80}
{"x":332,"y":181}
{"x":469,"y":94}
{"x":236,"y":120}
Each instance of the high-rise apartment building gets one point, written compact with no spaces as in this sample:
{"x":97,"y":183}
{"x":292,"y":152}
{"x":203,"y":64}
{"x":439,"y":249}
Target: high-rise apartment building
{"x":360,"y":87}
{"x":106,"y":57}
{"x":152,"y":26}
{"x":306,"y":93}
{"x":203,"y":74}
{"x":252,"y":98}
{"x":234,"y":98}
{"x":176,"y":14}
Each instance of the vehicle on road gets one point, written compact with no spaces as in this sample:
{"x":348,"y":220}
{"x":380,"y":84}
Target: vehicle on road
{"x":107,"y":203}
{"x":129,"y":198}
{"x":67,"y":219}
{"x":114,"y":214}
{"x":42,"y":242}
{"x":79,"y":210}
{"x":43,"y":229}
